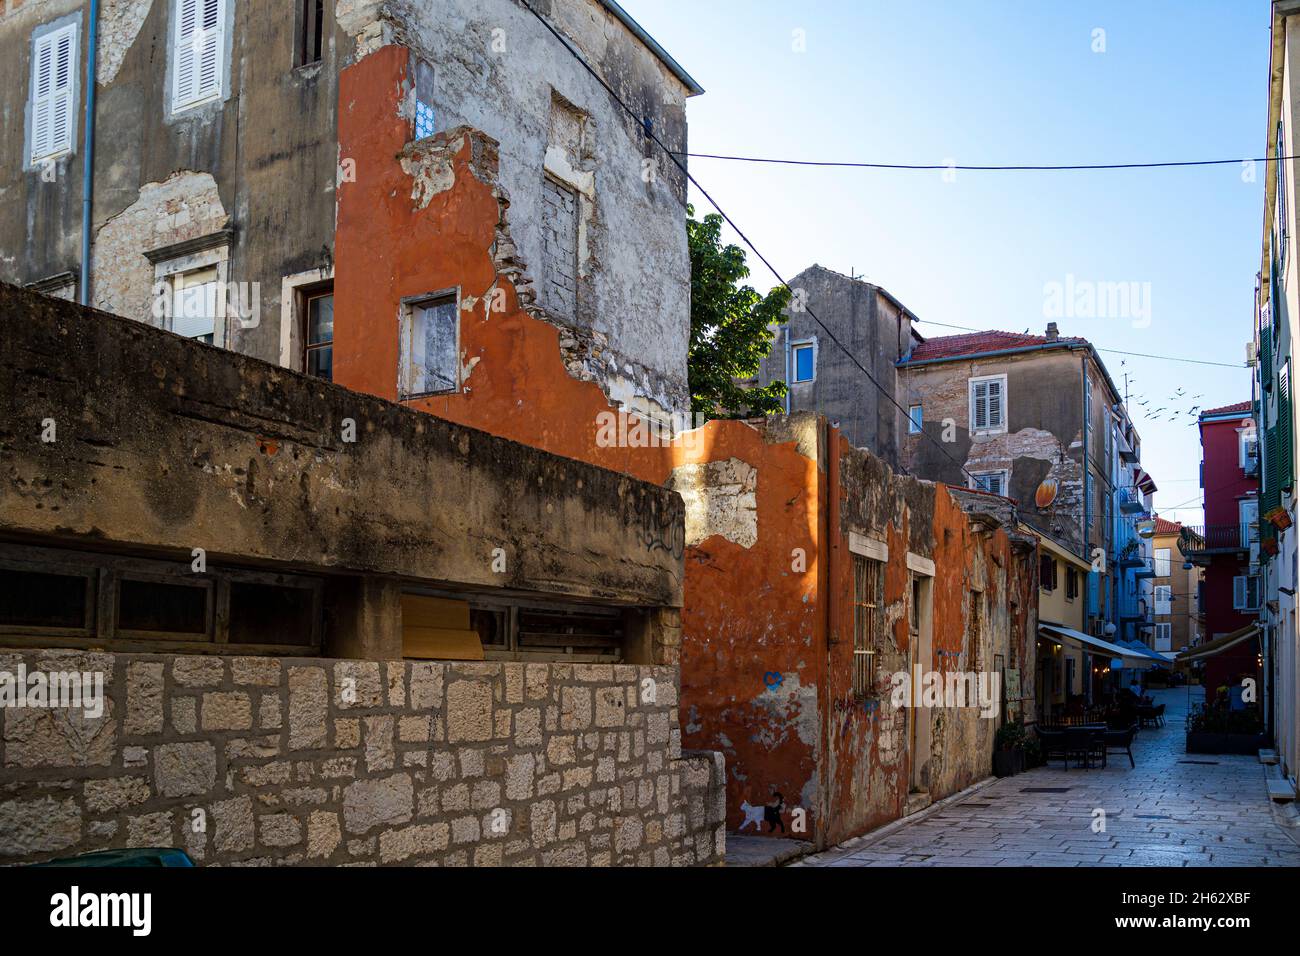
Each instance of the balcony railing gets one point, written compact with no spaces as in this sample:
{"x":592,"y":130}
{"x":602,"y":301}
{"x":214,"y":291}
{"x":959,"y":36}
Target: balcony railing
{"x":1203,"y":539}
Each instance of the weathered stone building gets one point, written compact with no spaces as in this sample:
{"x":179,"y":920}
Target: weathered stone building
{"x":875,"y":328}
{"x":219,"y":159}
{"x":1011,"y":414}
{"x":329,"y":628}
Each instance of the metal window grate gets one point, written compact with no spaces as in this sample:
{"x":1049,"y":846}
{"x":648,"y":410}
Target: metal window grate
{"x":867,"y":623}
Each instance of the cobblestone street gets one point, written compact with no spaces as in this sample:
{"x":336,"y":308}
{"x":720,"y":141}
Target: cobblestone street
{"x":1174,"y":809}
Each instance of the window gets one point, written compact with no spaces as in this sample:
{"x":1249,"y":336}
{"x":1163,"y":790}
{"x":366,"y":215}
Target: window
{"x":1164,"y":637}
{"x":1248,"y":515}
{"x":311,"y":31}
{"x":914,"y":420}
{"x":194,"y":304}
{"x":430,"y":332}
{"x":1163,"y":556}
{"x":424,"y":85}
{"x":1164,"y":599}
{"x":976,"y":622}
{"x":1281,"y":196}
{"x":198,"y":52}
{"x":1247,"y":449}
{"x":54,"y":83}
{"x":868,"y":625}
{"x":1071,"y":584}
{"x":1245,"y":593}
{"x":318,"y":334}
{"x":988,"y":404}
{"x":76,"y":599}
{"x":1047,"y":572}
{"x":994,"y":482}
{"x":803,"y":361}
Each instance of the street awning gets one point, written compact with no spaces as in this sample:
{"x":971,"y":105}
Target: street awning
{"x":1093,"y":645}
{"x":1219,"y":644}
{"x":1137,"y":647}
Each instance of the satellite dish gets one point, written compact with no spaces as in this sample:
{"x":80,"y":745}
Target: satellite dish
{"x":1046,"y":493}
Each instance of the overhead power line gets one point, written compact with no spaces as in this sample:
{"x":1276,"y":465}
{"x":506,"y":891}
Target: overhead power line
{"x":986,"y":169}
{"x":649,"y":132}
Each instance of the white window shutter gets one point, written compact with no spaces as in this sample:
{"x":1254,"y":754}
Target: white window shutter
{"x":200,"y":47}
{"x":979,"y":404}
{"x":1238,"y":593}
{"x":54,"y":77}
{"x":995,"y":405}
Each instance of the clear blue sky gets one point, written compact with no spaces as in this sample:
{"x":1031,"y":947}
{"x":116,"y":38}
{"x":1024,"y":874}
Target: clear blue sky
{"x":1003,"y":82}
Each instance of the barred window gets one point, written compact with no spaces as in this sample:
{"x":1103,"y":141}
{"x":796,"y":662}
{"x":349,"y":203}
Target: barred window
{"x":976,"y":621}
{"x":868,"y":624}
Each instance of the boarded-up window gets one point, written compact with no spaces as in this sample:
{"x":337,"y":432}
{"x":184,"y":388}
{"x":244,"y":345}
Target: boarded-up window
{"x":868,"y":623}
{"x":435,"y":628}
{"x":560,"y":247}
{"x":54,"y":73}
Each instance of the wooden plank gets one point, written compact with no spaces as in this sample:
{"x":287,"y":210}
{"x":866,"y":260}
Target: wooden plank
{"x":441,"y":644}
{"x":421,"y":610}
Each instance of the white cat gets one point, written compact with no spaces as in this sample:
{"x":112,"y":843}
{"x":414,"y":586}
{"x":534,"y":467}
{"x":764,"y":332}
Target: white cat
{"x":753,"y":815}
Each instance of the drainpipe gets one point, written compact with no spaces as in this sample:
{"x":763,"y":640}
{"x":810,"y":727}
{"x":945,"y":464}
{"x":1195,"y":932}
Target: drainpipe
{"x":1087,"y":498}
{"x":787,"y":367}
{"x":88,"y":160}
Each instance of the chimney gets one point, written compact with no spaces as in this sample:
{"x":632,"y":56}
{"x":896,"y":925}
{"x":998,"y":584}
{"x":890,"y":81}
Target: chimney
{"x":1052,"y":334}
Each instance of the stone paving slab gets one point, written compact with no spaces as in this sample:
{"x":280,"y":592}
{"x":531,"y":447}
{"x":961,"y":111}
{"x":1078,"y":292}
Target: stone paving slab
{"x":1164,"y":812}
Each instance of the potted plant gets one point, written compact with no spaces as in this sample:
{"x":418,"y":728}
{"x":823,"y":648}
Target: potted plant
{"x":1009,"y":749}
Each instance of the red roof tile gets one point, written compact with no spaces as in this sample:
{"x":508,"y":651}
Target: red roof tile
{"x":975,"y":343}
{"x":1228,"y":409}
{"x":1164,"y":526}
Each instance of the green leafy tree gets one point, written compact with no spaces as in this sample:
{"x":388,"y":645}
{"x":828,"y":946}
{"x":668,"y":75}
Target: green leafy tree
{"x":731,"y":324}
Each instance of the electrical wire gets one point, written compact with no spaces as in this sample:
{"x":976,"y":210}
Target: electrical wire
{"x":988,"y":168}
{"x":649,"y":132}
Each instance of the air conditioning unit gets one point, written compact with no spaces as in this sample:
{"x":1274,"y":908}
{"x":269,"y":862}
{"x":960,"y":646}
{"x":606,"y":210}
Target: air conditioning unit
{"x":1252,"y":354}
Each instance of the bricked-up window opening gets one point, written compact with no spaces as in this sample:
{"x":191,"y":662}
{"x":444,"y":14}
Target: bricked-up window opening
{"x":430,"y":340}
{"x":868,"y":624}
{"x":1071,"y":584}
{"x":198,"y":52}
{"x":54,"y":82}
{"x":1047,"y":572}
{"x":311,"y":31}
{"x":560,"y":246}
{"x":976,"y":628}
{"x":318,"y":334}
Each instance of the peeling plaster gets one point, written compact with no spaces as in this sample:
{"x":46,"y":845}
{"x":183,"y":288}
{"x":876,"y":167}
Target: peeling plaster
{"x":119,"y":26}
{"x":720,"y":498}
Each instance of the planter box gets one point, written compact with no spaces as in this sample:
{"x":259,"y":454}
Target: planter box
{"x":1008,"y":763}
{"x":1209,"y":743}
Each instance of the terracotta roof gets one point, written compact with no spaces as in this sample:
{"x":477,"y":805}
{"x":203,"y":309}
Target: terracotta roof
{"x":975,"y":343}
{"x":1164,"y":526}
{"x":1228,"y":409}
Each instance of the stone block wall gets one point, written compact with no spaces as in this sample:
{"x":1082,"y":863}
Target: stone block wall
{"x":273,"y":761}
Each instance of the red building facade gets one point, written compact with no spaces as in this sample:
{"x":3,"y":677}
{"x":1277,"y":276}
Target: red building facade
{"x":1227,"y":545}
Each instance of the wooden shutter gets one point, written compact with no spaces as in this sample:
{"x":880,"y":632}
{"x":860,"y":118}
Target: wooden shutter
{"x":54,"y":64}
{"x":994,"y":404}
{"x":200,"y":28}
{"x":1285,"y":460}
{"x":979,"y":406}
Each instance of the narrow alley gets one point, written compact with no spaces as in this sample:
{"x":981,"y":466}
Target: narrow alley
{"x":1173,"y":809}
